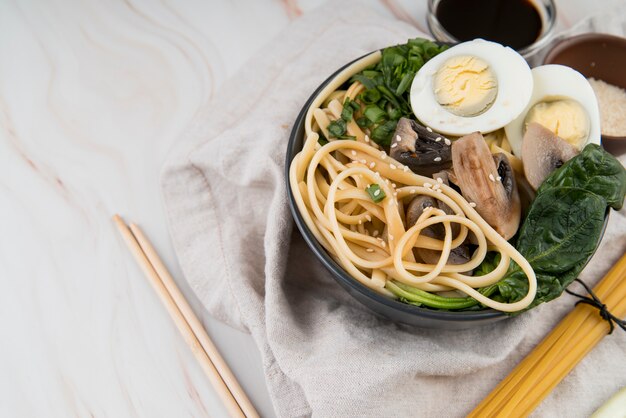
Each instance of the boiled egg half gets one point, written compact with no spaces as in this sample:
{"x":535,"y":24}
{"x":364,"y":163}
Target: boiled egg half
{"x":473,"y":86}
{"x":563,"y":102}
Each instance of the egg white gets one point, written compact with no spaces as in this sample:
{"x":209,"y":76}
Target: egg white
{"x":555,"y":82}
{"x":515,"y":85}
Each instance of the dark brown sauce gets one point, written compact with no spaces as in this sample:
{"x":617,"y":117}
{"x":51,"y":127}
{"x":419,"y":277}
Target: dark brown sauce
{"x":515,"y":23}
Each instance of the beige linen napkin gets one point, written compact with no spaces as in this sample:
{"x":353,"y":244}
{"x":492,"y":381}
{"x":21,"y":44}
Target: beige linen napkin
{"x":323,"y":353}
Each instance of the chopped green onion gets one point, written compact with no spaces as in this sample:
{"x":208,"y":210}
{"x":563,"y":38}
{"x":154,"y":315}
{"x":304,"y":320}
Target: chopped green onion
{"x":346,"y":113}
{"x":349,"y":106}
{"x":382,"y":133}
{"x":394,"y":113}
{"x":363,"y":122}
{"x":374,"y":113}
{"x":404,"y":83}
{"x":375,"y":192}
{"x":363,"y":79}
{"x":370,"y":96}
{"x":337,"y":128}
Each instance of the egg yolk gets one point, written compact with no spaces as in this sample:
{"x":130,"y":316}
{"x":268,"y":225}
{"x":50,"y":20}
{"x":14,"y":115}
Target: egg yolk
{"x":465,"y":86}
{"x":565,"y":118}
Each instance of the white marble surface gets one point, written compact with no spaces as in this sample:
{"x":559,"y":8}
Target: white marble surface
{"x":92,"y":96}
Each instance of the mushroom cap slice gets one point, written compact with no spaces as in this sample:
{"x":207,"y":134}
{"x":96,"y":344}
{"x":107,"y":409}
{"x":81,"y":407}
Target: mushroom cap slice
{"x":543,"y":152}
{"x":497,"y":201}
{"x":415,"y":209}
{"x":423,"y":151}
{"x":458,"y":255}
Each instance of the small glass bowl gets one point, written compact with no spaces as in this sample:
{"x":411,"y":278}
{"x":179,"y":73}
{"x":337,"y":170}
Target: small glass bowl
{"x":546,"y":9}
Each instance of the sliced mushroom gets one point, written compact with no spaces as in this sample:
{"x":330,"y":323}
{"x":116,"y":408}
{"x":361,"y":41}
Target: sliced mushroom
{"x":526,"y":192}
{"x":543,"y":152}
{"x":423,"y":151}
{"x":416,"y":207}
{"x":458,"y":255}
{"x":444,"y":176}
{"x":491,"y":187}
{"x":414,"y":210}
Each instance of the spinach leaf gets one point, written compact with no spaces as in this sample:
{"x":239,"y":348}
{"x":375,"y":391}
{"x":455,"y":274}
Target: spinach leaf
{"x":564,"y":224}
{"x":595,"y":170}
{"x":558,"y":237}
{"x":489,"y":264}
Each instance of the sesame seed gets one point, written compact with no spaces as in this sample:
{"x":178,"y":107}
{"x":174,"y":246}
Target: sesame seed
{"x":472,"y":204}
{"x":436,"y":186}
{"x":412,"y":191}
{"x":363,"y":162}
{"x":369,"y":250}
{"x":394,"y":145}
{"x":377,"y":192}
{"x":491,"y":177}
{"x":353,"y":152}
{"x":439,"y":180}
{"x":367,"y":138}
{"x":498,"y":178}
{"x":428,"y":185}
{"x":393,"y":185}
{"x":383,"y":243}
{"x":437,"y":159}
{"x":372,"y":164}
{"x":428,"y":129}
{"x":398,"y":139}
{"x":439,"y":190}
{"x":447,"y":141}
{"x":360,"y":222}
{"x":438,"y":139}
{"x":369,"y":218}
{"x":383,"y":155}
{"x":375,"y":233}
{"x":392,"y":166}
{"x":405,"y":168}
{"x":390,"y":237}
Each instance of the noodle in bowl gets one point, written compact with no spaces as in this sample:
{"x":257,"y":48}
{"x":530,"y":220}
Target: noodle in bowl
{"x":365,"y":244}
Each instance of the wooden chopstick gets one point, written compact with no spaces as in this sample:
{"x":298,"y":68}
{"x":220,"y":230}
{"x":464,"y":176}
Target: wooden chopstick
{"x":221,"y":377}
{"x":195,"y":324}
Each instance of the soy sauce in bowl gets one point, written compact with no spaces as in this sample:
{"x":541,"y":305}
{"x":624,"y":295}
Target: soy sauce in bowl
{"x":524,"y":25}
{"x":516,"y":23}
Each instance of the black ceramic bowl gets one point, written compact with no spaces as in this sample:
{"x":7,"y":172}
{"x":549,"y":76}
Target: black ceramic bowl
{"x":392,"y":309}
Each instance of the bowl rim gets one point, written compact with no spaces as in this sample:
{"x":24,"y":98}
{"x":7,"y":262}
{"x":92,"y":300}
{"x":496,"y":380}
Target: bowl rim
{"x":338,"y":273}
{"x":572,"y":41}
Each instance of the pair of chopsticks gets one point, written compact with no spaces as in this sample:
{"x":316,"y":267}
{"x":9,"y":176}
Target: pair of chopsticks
{"x":224,"y":382}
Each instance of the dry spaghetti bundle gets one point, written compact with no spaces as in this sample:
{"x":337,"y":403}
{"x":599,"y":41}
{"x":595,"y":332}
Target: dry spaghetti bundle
{"x":533,"y":379}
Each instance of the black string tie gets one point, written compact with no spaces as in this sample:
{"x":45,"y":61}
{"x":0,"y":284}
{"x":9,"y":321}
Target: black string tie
{"x":594,"y":301}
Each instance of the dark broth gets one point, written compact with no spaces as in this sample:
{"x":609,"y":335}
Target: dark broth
{"x":515,"y":23}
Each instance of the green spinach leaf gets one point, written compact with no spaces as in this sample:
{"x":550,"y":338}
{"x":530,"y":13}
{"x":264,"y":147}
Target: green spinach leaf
{"x":565,"y":223}
{"x":558,"y":237}
{"x":595,"y":170}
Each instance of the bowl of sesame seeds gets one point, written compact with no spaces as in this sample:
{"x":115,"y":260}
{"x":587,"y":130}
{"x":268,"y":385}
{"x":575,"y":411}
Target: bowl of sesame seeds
{"x":602,"y":59}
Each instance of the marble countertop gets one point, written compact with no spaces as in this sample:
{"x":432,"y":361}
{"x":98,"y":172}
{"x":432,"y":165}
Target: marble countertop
{"x":92,"y":96}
